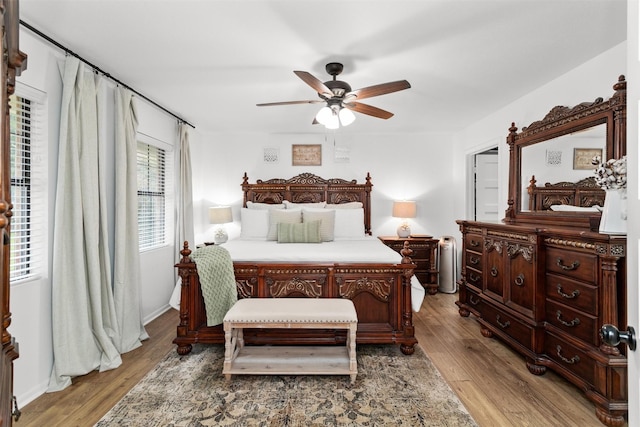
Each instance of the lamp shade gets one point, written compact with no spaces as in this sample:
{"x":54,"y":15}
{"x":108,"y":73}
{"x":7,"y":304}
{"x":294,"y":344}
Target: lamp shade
{"x":404,"y":209}
{"x":220,"y":215}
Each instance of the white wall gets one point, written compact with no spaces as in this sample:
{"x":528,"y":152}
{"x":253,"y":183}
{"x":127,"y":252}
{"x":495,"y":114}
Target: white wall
{"x":31,"y":300}
{"x":405,"y":167}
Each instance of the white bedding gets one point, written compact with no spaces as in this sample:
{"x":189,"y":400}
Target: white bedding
{"x":366,"y":249}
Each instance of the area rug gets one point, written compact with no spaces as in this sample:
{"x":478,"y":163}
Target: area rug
{"x":390,"y":389}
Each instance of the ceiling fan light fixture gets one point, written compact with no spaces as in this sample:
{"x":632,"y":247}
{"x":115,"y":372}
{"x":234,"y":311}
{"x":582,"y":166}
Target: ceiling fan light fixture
{"x":346,"y":116}
{"x":333,"y":122}
{"x":324,"y":115}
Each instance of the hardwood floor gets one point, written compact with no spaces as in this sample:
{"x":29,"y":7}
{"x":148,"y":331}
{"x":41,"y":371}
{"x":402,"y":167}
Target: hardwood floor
{"x":491,"y":380}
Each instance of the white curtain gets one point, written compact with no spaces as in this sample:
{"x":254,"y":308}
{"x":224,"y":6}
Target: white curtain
{"x":83,"y":311}
{"x":184,"y":217}
{"x":185,"y":196}
{"x":127,"y":283}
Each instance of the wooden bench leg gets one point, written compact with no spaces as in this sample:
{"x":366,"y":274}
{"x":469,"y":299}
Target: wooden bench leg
{"x":351,"y":342}
{"x":229,"y":344}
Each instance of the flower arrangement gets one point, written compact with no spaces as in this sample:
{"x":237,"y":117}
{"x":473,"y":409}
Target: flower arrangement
{"x":612,"y":174}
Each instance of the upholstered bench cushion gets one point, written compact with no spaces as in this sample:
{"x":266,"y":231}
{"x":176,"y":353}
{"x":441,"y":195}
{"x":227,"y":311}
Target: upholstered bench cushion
{"x":292,"y":310}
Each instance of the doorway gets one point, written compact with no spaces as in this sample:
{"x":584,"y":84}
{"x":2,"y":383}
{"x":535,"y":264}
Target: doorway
{"x":485,"y":185}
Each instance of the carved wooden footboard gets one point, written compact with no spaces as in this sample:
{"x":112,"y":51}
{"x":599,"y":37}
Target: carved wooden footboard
{"x":381,"y":294}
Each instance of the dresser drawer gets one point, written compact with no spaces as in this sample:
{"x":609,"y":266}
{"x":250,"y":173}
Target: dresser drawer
{"x":576,"y":294}
{"x":420,"y":255}
{"x":474,"y":278}
{"x":570,"y":357}
{"x":473,"y":299}
{"x":573,"y":322}
{"x":510,"y":325}
{"x":573,"y":264}
{"x":473,"y":242}
{"x":473,"y":259}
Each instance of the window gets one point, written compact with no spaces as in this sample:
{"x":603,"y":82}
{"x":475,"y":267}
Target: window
{"x":27,"y":169}
{"x":151,"y":196}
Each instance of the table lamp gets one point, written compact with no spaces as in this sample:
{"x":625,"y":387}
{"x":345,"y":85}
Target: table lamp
{"x":404,"y":209}
{"x":220,"y":215}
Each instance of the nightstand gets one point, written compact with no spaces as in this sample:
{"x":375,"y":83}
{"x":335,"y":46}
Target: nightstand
{"x":424,"y":257}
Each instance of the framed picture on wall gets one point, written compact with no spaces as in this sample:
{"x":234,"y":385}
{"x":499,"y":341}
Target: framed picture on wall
{"x":582,"y":157}
{"x":306,"y":155}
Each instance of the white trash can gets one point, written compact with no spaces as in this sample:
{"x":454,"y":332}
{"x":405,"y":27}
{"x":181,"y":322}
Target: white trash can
{"x":447,"y":265}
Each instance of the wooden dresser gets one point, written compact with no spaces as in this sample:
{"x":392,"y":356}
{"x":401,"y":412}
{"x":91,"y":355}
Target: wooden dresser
{"x":546,"y":293}
{"x":424,"y":256}
{"x":544,"y":280}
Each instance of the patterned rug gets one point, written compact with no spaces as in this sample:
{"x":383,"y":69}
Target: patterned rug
{"x":391,"y":389}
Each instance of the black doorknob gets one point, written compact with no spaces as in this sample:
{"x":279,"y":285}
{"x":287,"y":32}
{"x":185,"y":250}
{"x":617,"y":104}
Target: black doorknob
{"x":612,"y":336}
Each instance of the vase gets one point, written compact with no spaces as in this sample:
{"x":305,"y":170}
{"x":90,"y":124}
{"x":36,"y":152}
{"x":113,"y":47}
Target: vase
{"x":614,"y":213}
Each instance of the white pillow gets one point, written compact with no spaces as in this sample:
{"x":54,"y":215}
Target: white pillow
{"x":254,"y":223}
{"x":349,"y":223}
{"x":326,"y":218}
{"x":291,"y":205}
{"x":570,"y":208}
{"x":348,"y":205}
{"x":277,"y":216}
{"x":254,"y":205}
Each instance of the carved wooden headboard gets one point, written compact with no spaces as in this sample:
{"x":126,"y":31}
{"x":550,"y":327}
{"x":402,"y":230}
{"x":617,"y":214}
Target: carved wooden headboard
{"x":310,"y":188}
{"x":584,"y":193}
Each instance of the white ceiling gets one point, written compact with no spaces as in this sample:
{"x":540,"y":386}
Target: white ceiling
{"x":211,"y":61}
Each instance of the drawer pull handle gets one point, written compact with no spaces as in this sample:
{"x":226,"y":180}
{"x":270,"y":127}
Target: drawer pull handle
{"x":474,"y":277}
{"x":573,"y":265}
{"x":574,"y":322}
{"x":474,"y":260}
{"x":494,"y":272}
{"x":472,"y":301}
{"x":572,"y":295}
{"x":575,"y":359}
{"x":504,"y":325}
{"x":474,"y":244}
{"x":519,"y":281}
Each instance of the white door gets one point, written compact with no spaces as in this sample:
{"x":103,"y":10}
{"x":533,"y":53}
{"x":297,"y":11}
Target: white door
{"x":633,"y":207}
{"x":486,"y":186}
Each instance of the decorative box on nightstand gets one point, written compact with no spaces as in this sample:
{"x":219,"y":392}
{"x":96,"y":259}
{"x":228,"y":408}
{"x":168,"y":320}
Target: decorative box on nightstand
{"x":424,"y":257}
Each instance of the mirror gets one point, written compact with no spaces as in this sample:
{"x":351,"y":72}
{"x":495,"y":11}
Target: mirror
{"x":560,"y":160}
{"x":550,"y":161}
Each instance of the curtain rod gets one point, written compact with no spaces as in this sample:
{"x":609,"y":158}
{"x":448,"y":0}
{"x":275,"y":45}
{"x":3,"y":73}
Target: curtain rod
{"x":96,"y":68}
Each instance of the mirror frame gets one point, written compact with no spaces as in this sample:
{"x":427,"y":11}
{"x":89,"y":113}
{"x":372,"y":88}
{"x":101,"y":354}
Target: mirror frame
{"x":562,"y":121}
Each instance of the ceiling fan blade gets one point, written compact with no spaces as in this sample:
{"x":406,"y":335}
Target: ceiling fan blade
{"x":316,"y":84}
{"x":268,"y":104}
{"x":368,"y":110}
{"x":377,"y":90}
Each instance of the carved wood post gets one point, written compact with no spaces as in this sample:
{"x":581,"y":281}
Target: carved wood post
{"x":610,"y":255}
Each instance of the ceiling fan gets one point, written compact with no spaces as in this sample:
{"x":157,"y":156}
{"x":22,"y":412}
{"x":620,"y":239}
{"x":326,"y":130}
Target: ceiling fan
{"x":340,"y":100}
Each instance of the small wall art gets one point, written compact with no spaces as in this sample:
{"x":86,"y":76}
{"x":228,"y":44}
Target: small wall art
{"x":582,"y":157}
{"x":306,"y":154}
{"x":341,"y":155}
{"x":554,"y":158}
{"x":271,"y":154}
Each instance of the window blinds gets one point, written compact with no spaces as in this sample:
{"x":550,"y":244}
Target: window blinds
{"x":151,"y":196}
{"x":22,"y":249}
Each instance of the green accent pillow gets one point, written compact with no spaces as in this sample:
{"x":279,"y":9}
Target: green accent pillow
{"x":307,"y":232}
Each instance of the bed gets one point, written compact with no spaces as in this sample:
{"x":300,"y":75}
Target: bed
{"x":584,"y":195}
{"x":377,"y":279}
